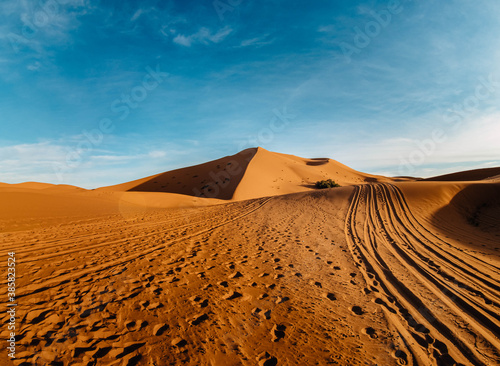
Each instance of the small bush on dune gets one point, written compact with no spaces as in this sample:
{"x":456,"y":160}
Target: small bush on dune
{"x":326,"y":184}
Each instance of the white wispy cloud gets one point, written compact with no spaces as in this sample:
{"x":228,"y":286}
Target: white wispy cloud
{"x":143,"y":11}
{"x":33,"y":30}
{"x":59,"y":162}
{"x":157,"y":154}
{"x":136,"y":15}
{"x":113,"y":158}
{"x":34,"y":66}
{"x":29,"y":162}
{"x":467,"y":147}
{"x":183,"y":40}
{"x":37,"y":152}
{"x":203,"y":36}
{"x":257,"y":41}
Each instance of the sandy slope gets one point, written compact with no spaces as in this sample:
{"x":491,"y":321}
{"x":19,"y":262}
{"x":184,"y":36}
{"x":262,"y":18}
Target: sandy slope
{"x":214,"y":179}
{"x":375,"y":273}
{"x":469,"y":175}
{"x":443,"y":301}
{"x":27,"y":208}
{"x":271,"y":173}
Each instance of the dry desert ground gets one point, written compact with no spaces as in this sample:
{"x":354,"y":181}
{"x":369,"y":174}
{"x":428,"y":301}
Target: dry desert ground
{"x":242,"y":261}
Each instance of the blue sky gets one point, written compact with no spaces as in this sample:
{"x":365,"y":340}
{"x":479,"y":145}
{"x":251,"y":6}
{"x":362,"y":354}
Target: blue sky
{"x":101,"y":92}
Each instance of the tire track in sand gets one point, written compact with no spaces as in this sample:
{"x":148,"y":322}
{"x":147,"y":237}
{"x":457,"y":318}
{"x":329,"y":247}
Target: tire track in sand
{"x":59,"y":280}
{"x":443,"y":302}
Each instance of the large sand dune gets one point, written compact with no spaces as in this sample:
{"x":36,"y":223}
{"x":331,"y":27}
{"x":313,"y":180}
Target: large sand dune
{"x":251,"y":173}
{"x":270,"y":272}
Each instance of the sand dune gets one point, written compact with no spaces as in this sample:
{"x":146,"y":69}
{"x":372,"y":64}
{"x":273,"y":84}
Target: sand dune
{"x":270,"y":173}
{"x":215,"y":179}
{"x":271,"y":272}
{"x":25,"y":208}
{"x":252,"y":173}
{"x":469,"y":175}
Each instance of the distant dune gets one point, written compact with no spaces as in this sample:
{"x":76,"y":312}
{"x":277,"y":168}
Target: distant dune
{"x":469,"y":175}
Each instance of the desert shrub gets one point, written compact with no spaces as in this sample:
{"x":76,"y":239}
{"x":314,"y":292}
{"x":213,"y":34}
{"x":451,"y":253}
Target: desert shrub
{"x":326,"y":184}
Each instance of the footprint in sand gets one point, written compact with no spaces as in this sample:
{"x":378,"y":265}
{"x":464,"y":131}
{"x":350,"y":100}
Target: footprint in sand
{"x":401,"y":357}
{"x":266,"y":314}
{"x":133,"y":326}
{"x":280,"y":299}
{"x":357,"y":310}
{"x":120,"y":351}
{"x":231,"y":295}
{"x":198,"y":301}
{"x":369,"y":331}
{"x":277,"y":332}
{"x":265,"y":359}
{"x":178,"y":342}
{"x":197,"y":319}
{"x":159,"y":329}
{"x":330,"y":296}
{"x":235,"y":275}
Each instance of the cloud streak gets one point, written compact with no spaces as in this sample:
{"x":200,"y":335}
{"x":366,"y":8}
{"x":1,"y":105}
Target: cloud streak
{"x":204,"y":36}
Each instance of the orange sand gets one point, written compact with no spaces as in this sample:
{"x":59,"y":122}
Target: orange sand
{"x":268,"y":271}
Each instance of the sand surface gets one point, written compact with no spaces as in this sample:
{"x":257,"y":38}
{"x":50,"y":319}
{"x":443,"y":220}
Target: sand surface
{"x":271,"y":272}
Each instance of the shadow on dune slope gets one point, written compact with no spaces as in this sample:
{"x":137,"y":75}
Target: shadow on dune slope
{"x":215,"y":179}
{"x":477,"y":206}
